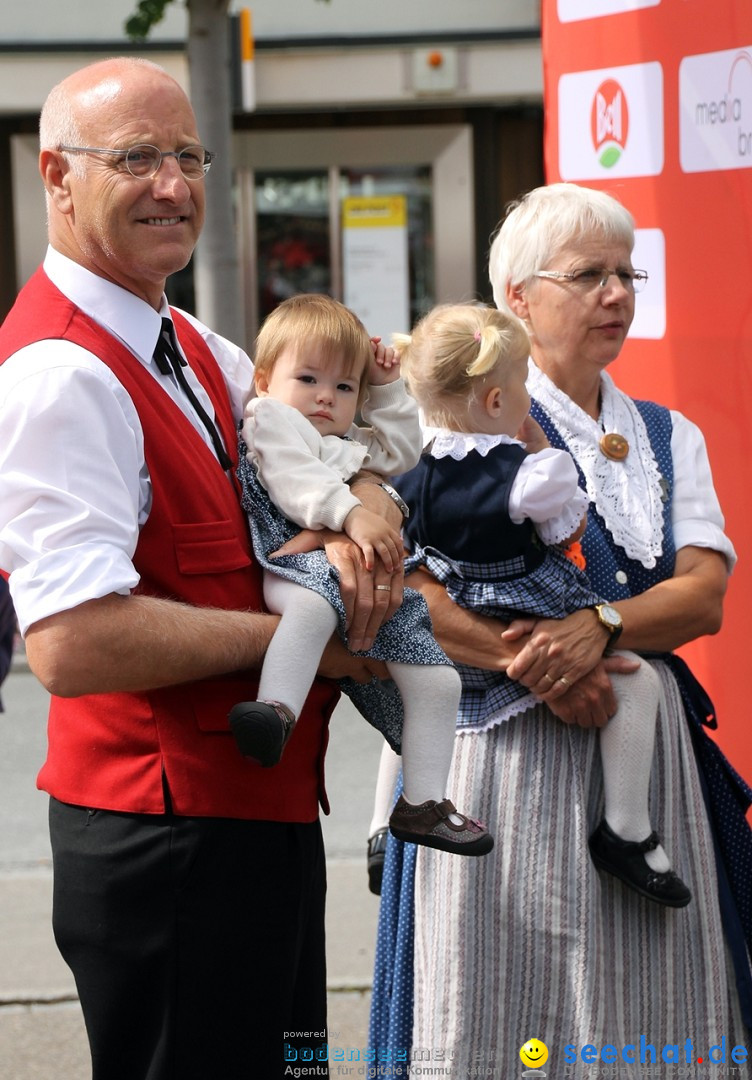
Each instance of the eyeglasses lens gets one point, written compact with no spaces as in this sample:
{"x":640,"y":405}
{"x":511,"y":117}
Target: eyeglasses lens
{"x":144,"y":161}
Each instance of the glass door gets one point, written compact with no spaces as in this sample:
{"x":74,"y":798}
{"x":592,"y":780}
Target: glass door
{"x":293,"y":236}
{"x":295,"y":188}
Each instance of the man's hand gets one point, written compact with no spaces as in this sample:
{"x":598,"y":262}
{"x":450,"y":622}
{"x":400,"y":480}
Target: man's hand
{"x":370,"y":597}
{"x":338,"y":663}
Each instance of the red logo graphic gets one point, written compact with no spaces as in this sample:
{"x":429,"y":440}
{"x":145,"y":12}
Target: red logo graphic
{"x":609,"y":122}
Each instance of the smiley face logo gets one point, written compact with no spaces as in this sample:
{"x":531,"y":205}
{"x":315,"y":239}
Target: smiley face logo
{"x":534,"y":1053}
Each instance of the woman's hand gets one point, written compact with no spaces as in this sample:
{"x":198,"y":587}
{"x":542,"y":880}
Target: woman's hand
{"x":479,"y":641}
{"x":556,"y":653}
{"x":590,"y":702}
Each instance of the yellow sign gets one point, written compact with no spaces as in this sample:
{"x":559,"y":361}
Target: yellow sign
{"x":375,"y":211}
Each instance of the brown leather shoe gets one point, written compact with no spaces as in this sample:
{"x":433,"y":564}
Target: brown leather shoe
{"x":429,"y":824}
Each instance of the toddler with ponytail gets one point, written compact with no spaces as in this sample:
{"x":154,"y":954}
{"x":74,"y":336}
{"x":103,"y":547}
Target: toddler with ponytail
{"x":495,"y":513}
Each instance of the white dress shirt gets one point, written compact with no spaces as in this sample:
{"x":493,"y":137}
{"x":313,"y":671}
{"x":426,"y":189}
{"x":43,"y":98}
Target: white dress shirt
{"x":74,"y":486}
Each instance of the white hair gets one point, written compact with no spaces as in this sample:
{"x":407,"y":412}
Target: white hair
{"x":546,"y":220}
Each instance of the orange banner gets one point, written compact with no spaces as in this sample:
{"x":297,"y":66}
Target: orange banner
{"x":651,"y":100}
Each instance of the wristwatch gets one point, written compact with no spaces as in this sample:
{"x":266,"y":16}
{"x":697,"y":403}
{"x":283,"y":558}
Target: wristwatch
{"x":610,"y":618}
{"x":395,"y":495}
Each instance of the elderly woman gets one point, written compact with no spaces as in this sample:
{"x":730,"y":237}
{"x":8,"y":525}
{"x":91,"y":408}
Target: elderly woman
{"x":533,"y":941}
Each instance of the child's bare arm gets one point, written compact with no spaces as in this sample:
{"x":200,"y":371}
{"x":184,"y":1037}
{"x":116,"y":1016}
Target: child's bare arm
{"x":374,"y":538}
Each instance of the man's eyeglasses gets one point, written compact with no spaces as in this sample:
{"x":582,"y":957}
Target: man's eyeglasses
{"x":143,"y":161}
{"x":592,"y":277}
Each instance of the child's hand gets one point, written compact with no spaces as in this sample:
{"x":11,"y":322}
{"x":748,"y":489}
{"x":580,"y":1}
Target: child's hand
{"x":385,"y":364}
{"x":533,"y":436}
{"x":374,"y":538}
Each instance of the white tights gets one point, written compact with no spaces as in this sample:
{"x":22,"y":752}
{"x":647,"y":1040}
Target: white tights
{"x":626,"y":745}
{"x":430,"y":693}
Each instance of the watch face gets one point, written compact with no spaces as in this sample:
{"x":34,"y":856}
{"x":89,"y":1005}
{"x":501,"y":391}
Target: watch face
{"x":610,"y":616}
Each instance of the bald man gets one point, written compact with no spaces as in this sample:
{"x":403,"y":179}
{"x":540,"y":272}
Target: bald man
{"x":189,"y":882}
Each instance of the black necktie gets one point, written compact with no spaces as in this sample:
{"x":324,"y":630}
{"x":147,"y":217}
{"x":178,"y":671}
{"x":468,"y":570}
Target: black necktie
{"x":169,"y":361}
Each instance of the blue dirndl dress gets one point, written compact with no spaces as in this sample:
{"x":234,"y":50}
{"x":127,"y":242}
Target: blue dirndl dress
{"x":463,"y":506}
{"x":727,"y":797}
{"x":406,"y":638}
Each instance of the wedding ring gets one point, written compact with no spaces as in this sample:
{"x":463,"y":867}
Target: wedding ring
{"x":383,"y":588}
{"x":550,"y":678}
{"x":565,"y":681}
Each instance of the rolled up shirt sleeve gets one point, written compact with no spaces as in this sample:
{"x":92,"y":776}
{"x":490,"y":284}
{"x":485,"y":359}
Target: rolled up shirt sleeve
{"x":73,"y":483}
{"x":697,"y":518}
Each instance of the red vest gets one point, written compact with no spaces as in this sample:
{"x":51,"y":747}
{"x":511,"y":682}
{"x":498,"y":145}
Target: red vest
{"x":110,"y":751}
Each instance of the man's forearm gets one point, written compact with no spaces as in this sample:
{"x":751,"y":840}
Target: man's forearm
{"x":135,"y":643}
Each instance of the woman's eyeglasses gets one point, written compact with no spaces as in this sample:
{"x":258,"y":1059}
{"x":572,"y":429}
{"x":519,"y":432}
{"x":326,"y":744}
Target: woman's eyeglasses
{"x":592,"y":277}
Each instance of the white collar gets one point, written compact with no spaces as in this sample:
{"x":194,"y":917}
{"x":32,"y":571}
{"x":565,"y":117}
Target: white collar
{"x":458,"y":444}
{"x":627,"y":494}
{"x":123,"y":313}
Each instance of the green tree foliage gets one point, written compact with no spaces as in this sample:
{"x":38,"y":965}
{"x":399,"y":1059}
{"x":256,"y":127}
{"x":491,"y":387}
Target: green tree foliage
{"x":147,"y":14}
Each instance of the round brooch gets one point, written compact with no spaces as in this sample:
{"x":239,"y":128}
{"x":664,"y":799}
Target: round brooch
{"x":614,"y":446}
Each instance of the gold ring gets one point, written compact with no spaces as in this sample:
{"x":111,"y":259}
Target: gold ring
{"x":383,"y":588}
{"x":565,"y":681}
{"x":550,"y":678}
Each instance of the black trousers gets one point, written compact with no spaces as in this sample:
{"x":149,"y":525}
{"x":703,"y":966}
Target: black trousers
{"x":197,"y":944}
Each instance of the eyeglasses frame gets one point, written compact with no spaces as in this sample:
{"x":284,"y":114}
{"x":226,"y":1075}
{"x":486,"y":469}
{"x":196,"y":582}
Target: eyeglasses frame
{"x":573,"y":275}
{"x":209,"y":156}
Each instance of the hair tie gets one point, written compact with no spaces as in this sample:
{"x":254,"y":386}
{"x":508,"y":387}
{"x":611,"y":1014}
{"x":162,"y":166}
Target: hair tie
{"x":477,"y":335}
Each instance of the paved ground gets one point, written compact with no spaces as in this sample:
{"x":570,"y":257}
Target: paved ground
{"x":41,"y":1031}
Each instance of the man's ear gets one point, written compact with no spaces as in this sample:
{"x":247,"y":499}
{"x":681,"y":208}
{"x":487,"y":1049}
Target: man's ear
{"x":517,"y":300}
{"x":56,"y":178}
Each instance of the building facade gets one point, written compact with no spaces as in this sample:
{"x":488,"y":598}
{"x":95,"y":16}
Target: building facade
{"x":380,"y":148}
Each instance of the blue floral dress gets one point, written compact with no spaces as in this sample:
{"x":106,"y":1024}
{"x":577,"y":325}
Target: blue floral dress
{"x":407,"y":637}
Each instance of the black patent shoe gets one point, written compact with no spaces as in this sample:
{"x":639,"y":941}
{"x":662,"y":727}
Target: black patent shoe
{"x":261,"y":729}
{"x":625,"y":859}
{"x":376,"y":857}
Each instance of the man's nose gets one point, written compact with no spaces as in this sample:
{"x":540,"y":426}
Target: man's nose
{"x":168,"y":182}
